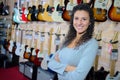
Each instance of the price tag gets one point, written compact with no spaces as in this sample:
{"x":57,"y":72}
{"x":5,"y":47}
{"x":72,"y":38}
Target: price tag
{"x":101,"y":4}
{"x":114,"y":55}
{"x":42,"y":38}
{"x":117,"y":3}
{"x":99,"y":51}
{"x":57,"y":41}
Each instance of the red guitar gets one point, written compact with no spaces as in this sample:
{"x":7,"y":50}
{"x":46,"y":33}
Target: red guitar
{"x":114,"y":11}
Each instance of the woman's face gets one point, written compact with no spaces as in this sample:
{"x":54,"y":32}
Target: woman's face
{"x":81,"y":21}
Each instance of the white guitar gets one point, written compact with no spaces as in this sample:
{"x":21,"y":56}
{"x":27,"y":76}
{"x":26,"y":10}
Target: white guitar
{"x":57,"y":13}
{"x":17,"y":16}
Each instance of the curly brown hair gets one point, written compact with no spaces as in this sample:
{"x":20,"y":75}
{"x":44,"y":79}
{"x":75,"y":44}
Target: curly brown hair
{"x":72,"y":32}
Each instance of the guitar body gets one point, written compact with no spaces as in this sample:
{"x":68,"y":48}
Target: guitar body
{"x":99,"y":10}
{"x":37,"y":60}
{"x":114,"y":13}
{"x":56,"y":16}
{"x":29,"y":13}
{"x":32,"y":57}
{"x":47,"y":16}
{"x":11,"y":46}
{"x":24,"y":18}
{"x":40,"y":13}
{"x":22,"y":50}
{"x":17,"y":16}
{"x":65,"y":14}
{"x":100,"y":14}
{"x":27,"y":53}
{"x":34,"y":12}
{"x":17,"y":51}
{"x":115,"y":77}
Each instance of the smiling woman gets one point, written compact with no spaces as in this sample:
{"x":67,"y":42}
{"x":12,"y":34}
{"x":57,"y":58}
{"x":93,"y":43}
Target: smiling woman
{"x":75,"y":58}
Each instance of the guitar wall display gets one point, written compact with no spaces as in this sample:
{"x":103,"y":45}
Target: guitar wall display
{"x":114,"y":11}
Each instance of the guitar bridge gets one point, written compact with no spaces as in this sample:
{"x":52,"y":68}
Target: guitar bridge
{"x":50,"y":9}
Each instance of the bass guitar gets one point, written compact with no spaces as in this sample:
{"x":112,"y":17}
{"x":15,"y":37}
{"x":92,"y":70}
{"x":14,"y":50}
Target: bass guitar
{"x":114,"y":11}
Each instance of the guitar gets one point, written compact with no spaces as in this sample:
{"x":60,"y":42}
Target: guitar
{"x":17,"y":15}
{"x":48,"y":11}
{"x":57,"y":13}
{"x":46,"y":55}
{"x":24,"y":10}
{"x":5,"y":9}
{"x":100,"y":10}
{"x":65,"y":14}
{"x":114,"y":11}
{"x":1,"y":7}
{"x":40,"y":11}
{"x":29,"y":50}
{"x":39,"y":52}
{"x":98,"y":38}
{"x":11,"y":42}
{"x":113,"y":58}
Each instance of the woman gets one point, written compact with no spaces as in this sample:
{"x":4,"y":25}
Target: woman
{"x":76,"y":57}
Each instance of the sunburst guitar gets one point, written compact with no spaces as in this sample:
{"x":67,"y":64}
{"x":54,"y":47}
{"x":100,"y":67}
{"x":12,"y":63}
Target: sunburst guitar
{"x":100,"y":10}
{"x":114,"y":11}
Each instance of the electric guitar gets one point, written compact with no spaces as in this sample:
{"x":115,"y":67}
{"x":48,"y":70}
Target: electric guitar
{"x":46,"y":55}
{"x":40,"y":11}
{"x":113,"y":58}
{"x":57,"y":13}
{"x":29,"y":50}
{"x":65,"y":14}
{"x":39,"y":52}
{"x":114,"y":11}
{"x":100,"y":10}
{"x":48,"y":11}
{"x":70,"y":6}
{"x":5,"y":9}
{"x":17,"y":15}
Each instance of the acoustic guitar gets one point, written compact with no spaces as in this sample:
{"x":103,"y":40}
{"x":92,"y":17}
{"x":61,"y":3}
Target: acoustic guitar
{"x":57,"y":13}
{"x":114,"y":11}
{"x":113,"y":58}
{"x":100,"y":10}
{"x":48,"y":6}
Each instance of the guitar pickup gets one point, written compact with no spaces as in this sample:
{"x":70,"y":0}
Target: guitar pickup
{"x":50,"y":9}
{"x":60,"y":8}
{"x":113,"y":42}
